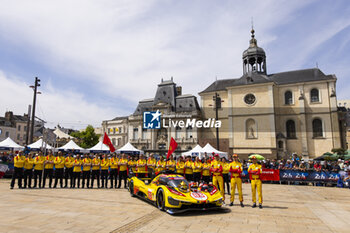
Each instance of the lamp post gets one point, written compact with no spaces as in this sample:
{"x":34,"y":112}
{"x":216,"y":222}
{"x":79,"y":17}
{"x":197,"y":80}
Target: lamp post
{"x":217,"y":106}
{"x":35,"y":87}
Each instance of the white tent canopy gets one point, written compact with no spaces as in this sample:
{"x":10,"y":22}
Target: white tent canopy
{"x":210,"y":150}
{"x":99,"y":147}
{"x":60,"y":134}
{"x":8,"y":143}
{"x":196,"y":151}
{"x":71,"y":145}
{"x":128,"y":147}
{"x":40,"y":144}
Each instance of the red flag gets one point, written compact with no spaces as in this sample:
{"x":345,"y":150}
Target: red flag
{"x":172,"y":147}
{"x":108,"y":142}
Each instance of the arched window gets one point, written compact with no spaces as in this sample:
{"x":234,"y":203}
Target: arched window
{"x":290,"y":128}
{"x":317,"y":128}
{"x":189,"y":132}
{"x":251,"y":129}
{"x":177,"y":132}
{"x":288,"y":98}
{"x":314,"y":95}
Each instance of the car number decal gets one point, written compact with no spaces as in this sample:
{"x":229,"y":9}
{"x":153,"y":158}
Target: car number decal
{"x":150,"y":196}
{"x":199,"y":196}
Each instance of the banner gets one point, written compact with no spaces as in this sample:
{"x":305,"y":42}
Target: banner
{"x":270,"y":174}
{"x":312,"y":176}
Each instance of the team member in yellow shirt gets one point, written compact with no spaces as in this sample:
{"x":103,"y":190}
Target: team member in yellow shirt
{"x":48,"y":171}
{"x":160,"y":165}
{"x":59,"y":167}
{"x":236,"y":179}
{"x":206,"y":171}
{"x":68,"y":172}
{"x":113,"y":174}
{"x":76,"y":171}
{"x":197,"y":170}
{"x":255,"y":171}
{"x":216,"y":169}
{"x":123,"y":170}
{"x":104,"y":171}
{"x":132,"y":164}
{"x":180,"y":166}
{"x":38,"y":169}
{"x":18,"y":172}
{"x":170,"y":165}
{"x":151,"y":165}
{"x":96,"y":162}
{"x":189,"y":169}
{"x":141,"y":167}
{"x":225,"y":171}
{"x":28,"y":170}
{"x":86,"y":171}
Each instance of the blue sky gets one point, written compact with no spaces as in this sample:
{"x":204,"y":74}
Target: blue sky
{"x":96,"y":59}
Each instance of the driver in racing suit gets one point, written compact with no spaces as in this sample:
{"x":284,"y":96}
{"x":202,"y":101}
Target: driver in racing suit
{"x":218,"y":180}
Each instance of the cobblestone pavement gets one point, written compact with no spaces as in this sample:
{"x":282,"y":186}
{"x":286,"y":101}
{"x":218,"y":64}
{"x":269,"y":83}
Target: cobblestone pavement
{"x":286,"y":209}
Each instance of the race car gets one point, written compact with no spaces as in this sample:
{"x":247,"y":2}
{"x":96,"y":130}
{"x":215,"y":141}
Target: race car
{"x":173,"y":193}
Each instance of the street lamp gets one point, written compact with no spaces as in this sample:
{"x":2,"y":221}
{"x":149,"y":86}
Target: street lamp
{"x":35,"y":87}
{"x":217,"y":105}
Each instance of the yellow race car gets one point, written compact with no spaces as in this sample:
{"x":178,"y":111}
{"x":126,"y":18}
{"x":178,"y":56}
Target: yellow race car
{"x":173,"y":194}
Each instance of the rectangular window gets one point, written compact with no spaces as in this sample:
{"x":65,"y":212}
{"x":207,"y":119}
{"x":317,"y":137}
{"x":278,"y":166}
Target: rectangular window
{"x":144,"y":133}
{"x":7,"y":134}
{"x":18,"y":136}
{"x":19,"y":127}
{"x":25,"y":128}
{"x":120,"y":130}
{"x":136,"y":133}
{"x":113,"y":130}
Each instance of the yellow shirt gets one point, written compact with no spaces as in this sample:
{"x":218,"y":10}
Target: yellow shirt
{"x":86,"y":161}
{"x":188,"y":167}
{"x":104,"y":164}
{"x":28,"y":163}
{"x":226,"y":168}
{"x":68,"y":162}
{"x":141,"y":165}
{"x":171,"y":165}
{"x":39,"y":163}
{"x":235,"y":166}
{"x":160,"y":166}
{"x":59,"y":162}
{"x":216,"y":165}
{"x":132,"y":165}
{"x":49,"y":158}
{"x":206,"y":169}
{"x":197,"y":166}
{"x":77,"y":165}
{"x":255,"y":167}
{"x":113,"y":163}
{"x":96,"y":162}
{"x":180,"y":167}
{"x":151,"y":163}
{"x":123,"y":164}
{"x":19,"y":161}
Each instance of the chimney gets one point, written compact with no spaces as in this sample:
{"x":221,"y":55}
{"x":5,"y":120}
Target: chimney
{"x":9,"y":116}
{"x":179,"y":90}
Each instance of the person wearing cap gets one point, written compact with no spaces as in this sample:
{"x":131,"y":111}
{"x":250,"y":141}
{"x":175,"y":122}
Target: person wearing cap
{"x":216,"y":169}
{"x":236,"y":180}
{"x":141,"y":167}
{"x":160,"y":166}
{"x":86,"y":162}
{"x":18,"y":172}
{"x":104,"y":171}
{"x":95,"y":163}
{"x":48,"y":171}
{"x":68,"y":172}
{"x":197,"y":170}
{"x":113,"y":173}
{"x":151,"y":165}
{"x":180,"y":166}
{"x":225,"y":171}
{"x":206,"y":171}
{"x":38,"y":169}
{"x":28,"y":170}
{"x":123,"y":170}
{"x":76,"y":171}
{"x":189,"y":169}
{"x":59,"y":167}
{"x":170,"y":165}
{"x":255,"y":171}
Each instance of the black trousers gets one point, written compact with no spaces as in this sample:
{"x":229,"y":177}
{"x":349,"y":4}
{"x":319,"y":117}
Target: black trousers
{"x":95,"y":173}
{"x":86,"y":176}
{"x":206,"y":179}
{"x":76,"y":176}
{"x":122,"y":176}
{"x":48,"y":173}
{"x":18,"y":173}
{"x":68,"y":173}
{"x":189,"y":177}
{"x":104,"y":178}
{"x":38,"y":174}
{"x":196,"y":176}
{"x":113,"y":175}
{"x":28,"y":175}
{"x":227,"y":182}
{"x":58,"y":175}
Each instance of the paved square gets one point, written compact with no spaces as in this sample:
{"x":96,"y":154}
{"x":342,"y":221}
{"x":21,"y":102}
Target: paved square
{"x":286,"y":209}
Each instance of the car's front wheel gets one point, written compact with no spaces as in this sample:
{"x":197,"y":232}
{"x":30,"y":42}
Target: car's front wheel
{"x":160,"y":201}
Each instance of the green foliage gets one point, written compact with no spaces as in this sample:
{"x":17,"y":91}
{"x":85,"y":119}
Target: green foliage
{"x":340,"y":152}
{"x":88,"y":137}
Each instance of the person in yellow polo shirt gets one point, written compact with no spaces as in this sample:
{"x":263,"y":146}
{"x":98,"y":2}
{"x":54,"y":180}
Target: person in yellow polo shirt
{"x":113,"y":174}
{"x":28,"y":170}
{"x":170,"y":165}
{"x":18,"y":172}
{"x":189,"y":169}
{"x":197,"y":170}
{"x":48,"y":171}
{"x":68,"y":172}
{"x":206,"y":171}
{"x":255,"y":171}
{"x":38,"y":169}
{"x":104,"y":170}
{"x":225,"y":171}
{"x":123,"y":170}
{"x":132,"y":164}
{"x":151,"y":165}
{"x":59,"y":167}
{"x":76,"y":171}
{"x":216,"y":169}
{"x":96,"y":162}
{"x":180,"y":166}
{"x":160,"y":166}
{"x":236,"y":180}
{"x":86,"y":162}
{"x":141,"y":167}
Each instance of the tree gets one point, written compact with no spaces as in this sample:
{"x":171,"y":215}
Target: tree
{"x":340,"y":152}
{"x":88,"y":137}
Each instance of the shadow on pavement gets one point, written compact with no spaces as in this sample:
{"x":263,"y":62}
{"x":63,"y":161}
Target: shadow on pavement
{"x":222,"y":210}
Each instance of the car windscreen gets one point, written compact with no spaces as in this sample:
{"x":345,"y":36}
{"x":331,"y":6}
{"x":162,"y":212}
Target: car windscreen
{"x":176,"y":182}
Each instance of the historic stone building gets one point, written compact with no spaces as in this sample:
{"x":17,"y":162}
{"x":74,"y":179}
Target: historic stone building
{"x":275,"y":114}
{"x":117,"y":131}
